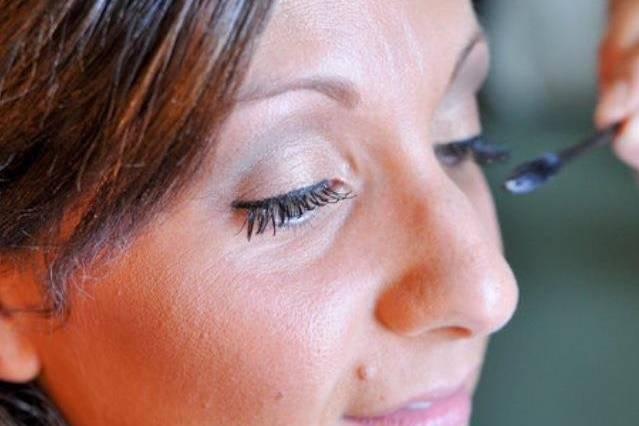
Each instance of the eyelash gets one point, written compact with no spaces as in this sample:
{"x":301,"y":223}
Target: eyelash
{"x":278,"y":211}
{"x":454,"y":153}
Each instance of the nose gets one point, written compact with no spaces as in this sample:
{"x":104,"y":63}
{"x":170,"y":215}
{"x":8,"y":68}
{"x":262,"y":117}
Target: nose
{"x":451,"y":275}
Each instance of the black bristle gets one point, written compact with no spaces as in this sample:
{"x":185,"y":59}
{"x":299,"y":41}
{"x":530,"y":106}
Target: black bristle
{"x":530,"y":176}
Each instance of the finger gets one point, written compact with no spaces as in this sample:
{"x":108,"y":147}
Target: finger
{"x":626,"y":146}
{"x":620,"y":93}
{"x":614,"y":85}
{"x":613,"y":105}
{"x":619,"y":65}
{"x":630,"y":70}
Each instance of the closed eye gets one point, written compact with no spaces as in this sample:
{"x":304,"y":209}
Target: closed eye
{"x":285,"y":210}
{"x":453,"y":153}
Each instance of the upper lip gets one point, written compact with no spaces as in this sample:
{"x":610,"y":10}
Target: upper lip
{"x":431,"y":395}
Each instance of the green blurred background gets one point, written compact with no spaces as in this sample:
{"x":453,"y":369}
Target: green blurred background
{"x":570,"y":356}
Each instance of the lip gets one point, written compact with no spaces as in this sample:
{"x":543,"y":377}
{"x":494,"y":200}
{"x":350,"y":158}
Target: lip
{"x":444,"y":407}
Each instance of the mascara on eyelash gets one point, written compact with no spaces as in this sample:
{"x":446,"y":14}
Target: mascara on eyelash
{"x":483,"y":153}
{"x":279,"y":210}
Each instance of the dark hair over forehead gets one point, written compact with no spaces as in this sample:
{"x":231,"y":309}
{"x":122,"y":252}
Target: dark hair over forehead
{"x":106,"y":110}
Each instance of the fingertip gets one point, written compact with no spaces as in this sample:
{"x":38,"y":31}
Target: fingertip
{"x":601,"y":118}
{"x":613,"y":105}
{"x":606,"y":116}
{"x":626,"y":146}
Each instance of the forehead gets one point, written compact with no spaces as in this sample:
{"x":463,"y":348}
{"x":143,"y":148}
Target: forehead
{"x":377,"y":44}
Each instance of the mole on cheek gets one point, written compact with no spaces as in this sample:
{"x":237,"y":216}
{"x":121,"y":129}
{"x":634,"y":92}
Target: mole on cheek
{"x":364,"y":372}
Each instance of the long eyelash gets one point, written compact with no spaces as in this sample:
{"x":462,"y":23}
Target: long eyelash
{"x":483,"y":153}
{"x":279,"y":210}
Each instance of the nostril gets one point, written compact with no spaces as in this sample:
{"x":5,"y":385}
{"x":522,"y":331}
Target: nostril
{"x":459,"y":332}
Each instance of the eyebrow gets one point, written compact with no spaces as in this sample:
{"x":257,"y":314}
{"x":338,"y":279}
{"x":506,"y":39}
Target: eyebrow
{"x":341,"y":90}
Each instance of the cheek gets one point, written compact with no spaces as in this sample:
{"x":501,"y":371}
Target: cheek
{"x":206,"y":339}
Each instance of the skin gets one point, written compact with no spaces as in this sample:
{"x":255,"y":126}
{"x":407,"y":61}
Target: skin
{"x":355,"y":310}
{"x":619,"y":79}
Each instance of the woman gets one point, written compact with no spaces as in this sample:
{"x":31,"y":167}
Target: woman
{"x":234,"y":212}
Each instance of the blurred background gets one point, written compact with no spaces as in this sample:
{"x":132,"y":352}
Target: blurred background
{"x":571,"y":354}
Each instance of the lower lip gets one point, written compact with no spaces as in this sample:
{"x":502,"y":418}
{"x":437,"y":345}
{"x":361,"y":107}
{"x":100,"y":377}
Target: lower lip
{"x":453,"y":410}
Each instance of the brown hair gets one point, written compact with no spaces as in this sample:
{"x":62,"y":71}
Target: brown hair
{"x":106,"y":111}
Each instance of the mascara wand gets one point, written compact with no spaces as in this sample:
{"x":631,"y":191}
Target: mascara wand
{"x":533,"y":174}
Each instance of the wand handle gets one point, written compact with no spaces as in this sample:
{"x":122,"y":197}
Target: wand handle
{"x":597,"y":140}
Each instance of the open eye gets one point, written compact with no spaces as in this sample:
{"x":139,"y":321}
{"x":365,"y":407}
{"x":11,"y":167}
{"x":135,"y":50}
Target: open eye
{"x":453,"y":153}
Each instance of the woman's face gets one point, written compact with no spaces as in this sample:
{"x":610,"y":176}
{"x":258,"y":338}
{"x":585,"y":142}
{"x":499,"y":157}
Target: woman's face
{"x":353,"y":310}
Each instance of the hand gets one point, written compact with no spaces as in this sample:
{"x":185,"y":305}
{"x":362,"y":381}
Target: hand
{"x":619,"y":78}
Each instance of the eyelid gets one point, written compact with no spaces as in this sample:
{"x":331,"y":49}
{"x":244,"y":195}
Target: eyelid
{"x":245,"y":205}
{"x":478,"y":39}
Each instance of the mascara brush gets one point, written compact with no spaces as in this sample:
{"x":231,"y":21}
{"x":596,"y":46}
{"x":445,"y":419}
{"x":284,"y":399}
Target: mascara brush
{"x":533,"y":174}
